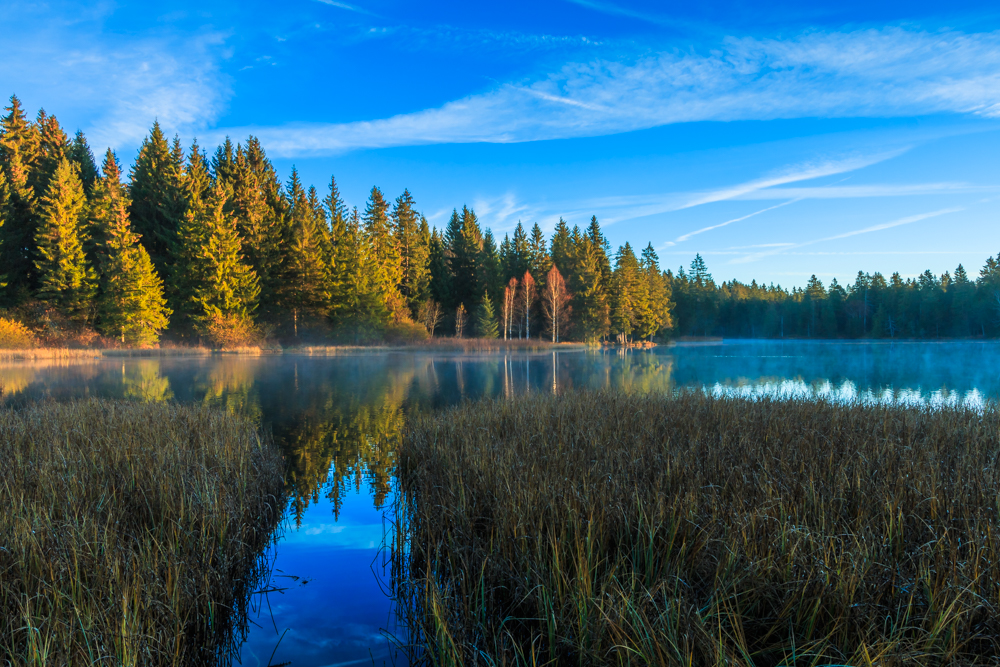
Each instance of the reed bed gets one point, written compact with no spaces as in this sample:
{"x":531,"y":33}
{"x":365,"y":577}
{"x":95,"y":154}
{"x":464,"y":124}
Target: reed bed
{"x":131,"y":534}
{"x":606,"y":528}
{"x":48,"y":353}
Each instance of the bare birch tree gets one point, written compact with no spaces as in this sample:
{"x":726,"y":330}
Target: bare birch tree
{"x":525,"y":299}
{"x":507,"y":310}
{"x":555,"y":302}
{"x":460,"y":320}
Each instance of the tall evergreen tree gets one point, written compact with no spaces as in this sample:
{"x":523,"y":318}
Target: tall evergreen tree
{"x":381,"y":241}
{"x":260,"y":210}
{"x":412,"y":240}
{"x":81,"y":154}
{"x":19,"y":148}
{"x":132,"y":304}
{"x":539,"y":261}
{"x":158,"y":204}
{"x":626,"y":293}
{"x":590,"y":298}
{"x":106,"y":196}
{"x":66,"y":280}
{"x":464,"y":240}
{"x":306,"y":283}
{"x":228,"y":286}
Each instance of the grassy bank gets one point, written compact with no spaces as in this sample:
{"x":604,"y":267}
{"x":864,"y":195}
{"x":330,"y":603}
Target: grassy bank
{"x":130,"y":533}
{"x":618,"y":529}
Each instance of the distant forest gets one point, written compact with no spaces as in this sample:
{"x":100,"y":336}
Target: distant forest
{"x":217,"y":247}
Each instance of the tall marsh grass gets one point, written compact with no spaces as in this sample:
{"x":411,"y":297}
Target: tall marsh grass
{"x":606,"y":528}
{"x":131,"y":534}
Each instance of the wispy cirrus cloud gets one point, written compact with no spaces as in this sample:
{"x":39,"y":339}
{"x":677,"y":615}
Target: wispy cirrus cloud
{"x":752,"y":257}
{"x":65,"y":59}
{"x":888,"y":72}
{"x":612,"y":210}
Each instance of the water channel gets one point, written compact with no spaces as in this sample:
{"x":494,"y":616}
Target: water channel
{"x":333,"y":416}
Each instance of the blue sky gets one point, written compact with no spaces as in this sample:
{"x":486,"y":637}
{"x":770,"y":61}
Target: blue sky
{"x":777,"y":139}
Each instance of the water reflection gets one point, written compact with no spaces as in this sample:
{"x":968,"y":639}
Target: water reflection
{"x":338,"y":419}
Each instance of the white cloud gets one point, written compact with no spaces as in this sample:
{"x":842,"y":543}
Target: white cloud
{"x":856,"y":232}
{"x":112,"y":85}
{"x":889,"y":72}
{"x":685,"y":237}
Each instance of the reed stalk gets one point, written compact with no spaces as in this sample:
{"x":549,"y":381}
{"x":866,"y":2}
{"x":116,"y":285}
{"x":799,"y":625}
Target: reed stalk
{"x":612,"y":528}
{"x":131,"y":534}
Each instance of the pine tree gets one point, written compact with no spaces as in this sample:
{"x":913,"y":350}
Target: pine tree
{"x":412,"y":239}
{"x":81,"y":154}
{"x":53,"y":147}
{"x":228,"y":287}
{"x":654,"y":313}
{"x":106,"y":195}
{"x":132,"y":304}
{"x":516,"y":260}
{"x":157,"y":198}
{"x":19,"y":142}
{"x":66,"y":281}
{"x":306,"y":282}
{"x":562,"y":247}
{"x":187,"y":267}
{"x":260,"y":210}
{"x":486,"y":321}
{"x":464,"y":241}
{"x":4,"y":215}
{"x":539,"y":261}
{"x":490,"y":273}
{"x":590,"y":299}
{"x":625,"y":294}
{"x":378,"y":235}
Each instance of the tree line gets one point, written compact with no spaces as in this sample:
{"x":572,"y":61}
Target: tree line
{"x":216,"y":247}
{"x":950,"y":305}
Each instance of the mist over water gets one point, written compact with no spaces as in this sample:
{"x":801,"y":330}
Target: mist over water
{"x":337,"y":420}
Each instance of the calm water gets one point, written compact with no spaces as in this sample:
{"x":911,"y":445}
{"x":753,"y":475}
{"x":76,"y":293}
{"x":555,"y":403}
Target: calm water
{"x":336,"y":419}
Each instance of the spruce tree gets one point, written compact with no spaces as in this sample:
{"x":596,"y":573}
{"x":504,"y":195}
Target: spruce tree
{"x":53,"y":147}
{"x":590,"y":299}
{"x":228,"y":287}
{"x":381,"y":241}
{"x":106,"y":195}
{"x":305,"y":290}
{"x":81,"y":154}
{"x":157,"y":197}
{"x":486,"y":320}
{"x":464,"y":240}
{"x":19,"y":141}
{"x":562,"y":248}
{"x":65,"y":278}
{"x":412,"y":239}
{"x":539,"y":261}
{"x":625,"y":294}
{"x":260,"y":210}
{"x":132,"y":305}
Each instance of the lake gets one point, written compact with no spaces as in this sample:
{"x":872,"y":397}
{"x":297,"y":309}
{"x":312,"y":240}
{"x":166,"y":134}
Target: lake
{"x":336,"y":418}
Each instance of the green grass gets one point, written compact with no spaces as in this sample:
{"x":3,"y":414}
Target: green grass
{"x":606,"y":528}
{"x":131,"y":534}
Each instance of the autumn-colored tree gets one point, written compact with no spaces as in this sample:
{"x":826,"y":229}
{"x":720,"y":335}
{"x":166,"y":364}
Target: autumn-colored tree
{"x":556,"y":303}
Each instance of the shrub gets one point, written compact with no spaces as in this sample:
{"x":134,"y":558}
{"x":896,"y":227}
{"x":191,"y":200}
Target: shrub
{"x":15,"y":336}
{"x":227,"y":332}
{"x":405,"y":332}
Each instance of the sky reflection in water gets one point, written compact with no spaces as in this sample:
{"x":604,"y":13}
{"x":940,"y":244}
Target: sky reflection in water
{"x":338,"y":418}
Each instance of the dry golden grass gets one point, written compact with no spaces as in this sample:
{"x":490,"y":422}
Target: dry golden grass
{"x":131,"y":534}
{"x":605,"y":528}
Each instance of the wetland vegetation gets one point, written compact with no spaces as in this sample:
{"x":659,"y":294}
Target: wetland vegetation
{"x":132,"y":533}
{"x":618,"y":528}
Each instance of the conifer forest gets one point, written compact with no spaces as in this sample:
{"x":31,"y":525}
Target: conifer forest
{"x":195,"y":244}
